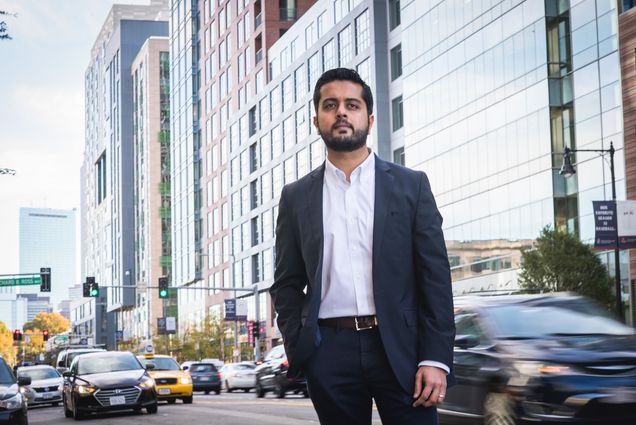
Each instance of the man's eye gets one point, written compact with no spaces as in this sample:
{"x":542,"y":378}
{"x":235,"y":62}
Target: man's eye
{"x":329,"y":106}
{"x":353,"y":106}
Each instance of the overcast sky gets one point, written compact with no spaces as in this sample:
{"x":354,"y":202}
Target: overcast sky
{"x":42,"y":108}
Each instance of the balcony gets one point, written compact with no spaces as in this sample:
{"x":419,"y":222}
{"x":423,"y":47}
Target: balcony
{"x":288,"y":14}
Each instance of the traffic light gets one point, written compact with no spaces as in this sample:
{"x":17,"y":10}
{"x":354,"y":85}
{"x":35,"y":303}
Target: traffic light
{"x":163,"y":287}
{"x":94,"y":290}
{"x":45,"y":277}
{"x":86,"y":286}
{"x":256,"y":330}
{"x":17,"y":335}
{"x":45,"y":334}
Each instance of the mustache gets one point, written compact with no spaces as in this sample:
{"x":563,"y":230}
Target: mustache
{"x":341,"y":122}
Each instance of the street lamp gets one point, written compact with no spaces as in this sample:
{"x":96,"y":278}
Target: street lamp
{"x":568,"y":170}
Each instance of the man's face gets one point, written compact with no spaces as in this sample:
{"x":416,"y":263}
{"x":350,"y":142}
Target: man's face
{"x":342,"y":119}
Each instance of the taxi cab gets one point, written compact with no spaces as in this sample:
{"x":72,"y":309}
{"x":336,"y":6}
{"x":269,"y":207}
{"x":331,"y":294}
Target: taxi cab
{"x":171,"y":382}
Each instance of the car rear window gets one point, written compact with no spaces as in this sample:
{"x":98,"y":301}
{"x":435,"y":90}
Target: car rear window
{"x":203,"y":368}
{"x":161,"y":363}
{"x":39,"y":374}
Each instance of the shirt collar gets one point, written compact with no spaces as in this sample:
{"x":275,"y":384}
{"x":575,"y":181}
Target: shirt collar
{"x":361,"y":173}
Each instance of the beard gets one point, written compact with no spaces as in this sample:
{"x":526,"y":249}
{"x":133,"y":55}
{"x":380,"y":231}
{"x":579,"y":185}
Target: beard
{"x":355,"y":141}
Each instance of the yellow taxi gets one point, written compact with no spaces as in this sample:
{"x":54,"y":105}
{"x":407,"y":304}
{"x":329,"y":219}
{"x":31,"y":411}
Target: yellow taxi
{"x":171,"y":382}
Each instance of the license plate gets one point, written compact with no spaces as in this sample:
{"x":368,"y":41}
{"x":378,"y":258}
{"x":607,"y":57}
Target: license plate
{"x":164,"y":391}
{"x":204,"y":378}
{"x":120,"y":399}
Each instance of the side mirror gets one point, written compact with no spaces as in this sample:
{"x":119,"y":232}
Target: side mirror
{"x":67,"y":374}
{"x":466,"y":341}
{"x":186,"y":367}
{"x":23,"y":381}
{"x":149,"y":366}
{"x":60,"y":364}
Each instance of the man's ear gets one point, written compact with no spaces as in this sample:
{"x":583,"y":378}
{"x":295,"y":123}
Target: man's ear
{"x":371,"y":121}
{"x":316,"y":122}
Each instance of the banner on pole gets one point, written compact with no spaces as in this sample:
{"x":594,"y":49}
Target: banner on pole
{"x":230,"y":309}
{"x":605,"y":233}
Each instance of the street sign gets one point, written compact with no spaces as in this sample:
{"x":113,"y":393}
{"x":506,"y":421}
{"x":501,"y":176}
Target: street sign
{"x":21,"y":281}
{"x":119,"y":335}
{"x":83,"y":341}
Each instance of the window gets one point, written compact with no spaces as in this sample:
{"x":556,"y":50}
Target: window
{"x":100,"y":171}
{"x":396,"y":62}
{"x":253,"y":194}
{"x":299,"y":83}
{"x":362,"y":32}
{"x":345,"y":45}
{"x":252,"y":121}
{"x":396,"y":107}
{"x":253,"y":157}
{"x":398,"y":156}
{"x":314,"y":69}
{"x":394,"y":14}
{"x":330,"y":60}
{"x":255,"y":230}
{"x":320,"y":24}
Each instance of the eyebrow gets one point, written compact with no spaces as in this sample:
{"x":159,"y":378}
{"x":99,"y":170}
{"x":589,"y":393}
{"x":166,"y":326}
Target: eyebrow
{"x":349,"y":99}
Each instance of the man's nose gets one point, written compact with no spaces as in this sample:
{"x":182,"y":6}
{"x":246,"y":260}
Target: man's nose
{"x":341,"y":111}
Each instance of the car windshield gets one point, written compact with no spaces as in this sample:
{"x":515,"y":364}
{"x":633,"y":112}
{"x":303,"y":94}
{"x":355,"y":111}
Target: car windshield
{"x":107,"y":363}
{"x":39,"y":374}
{"x":161,"y":363}
{"x":553,"y":317}
{"x":71,"y":355}
{"x":246,"y":366}
{"x":5,"y":374}
{"x":203,"y":368}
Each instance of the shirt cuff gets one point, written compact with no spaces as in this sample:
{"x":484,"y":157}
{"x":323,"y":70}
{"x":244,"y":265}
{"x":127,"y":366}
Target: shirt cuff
{"x":435,"y":364}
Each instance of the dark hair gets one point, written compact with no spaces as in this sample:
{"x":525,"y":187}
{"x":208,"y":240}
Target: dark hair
{"x":343,"y":74}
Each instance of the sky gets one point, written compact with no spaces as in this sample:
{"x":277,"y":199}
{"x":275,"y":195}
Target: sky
{"x":42,"y":108}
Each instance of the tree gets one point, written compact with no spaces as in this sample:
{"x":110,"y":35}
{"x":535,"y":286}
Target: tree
{"x":4,"y":35}
{"x":55,"y":323}
{"x":7,"y":351}
{"x":559,"y":261}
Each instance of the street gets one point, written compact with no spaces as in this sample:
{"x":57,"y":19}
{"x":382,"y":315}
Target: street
{"x":223,"y":409}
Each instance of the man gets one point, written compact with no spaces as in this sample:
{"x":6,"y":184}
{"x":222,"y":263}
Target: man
{"x":363,"y":237}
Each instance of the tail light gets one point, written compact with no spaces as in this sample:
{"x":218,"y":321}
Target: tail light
{"x":219,"y":375}
{"x":285,"y":363}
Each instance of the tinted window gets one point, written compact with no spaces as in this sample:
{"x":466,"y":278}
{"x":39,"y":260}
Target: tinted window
{"x":106,"y":363}
{"x":202,"y":368}
{"x":544,"y":318}
{"x":71,"y":355}
{"x":161,"y":363}
{"x":6,"y":377}
{"x":38,"y":374}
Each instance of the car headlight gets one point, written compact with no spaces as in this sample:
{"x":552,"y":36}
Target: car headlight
{"x":12,"y":403}
{"x":185,"y":380}
{"x":530,"y":368}
{"x":86,"y":389}
{"x":146,"y":383}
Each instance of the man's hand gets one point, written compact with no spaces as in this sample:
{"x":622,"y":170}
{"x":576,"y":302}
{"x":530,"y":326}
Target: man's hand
{"x":433,"y":381}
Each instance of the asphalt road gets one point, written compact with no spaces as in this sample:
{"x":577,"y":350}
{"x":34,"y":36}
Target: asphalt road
{"x":223,"y":409}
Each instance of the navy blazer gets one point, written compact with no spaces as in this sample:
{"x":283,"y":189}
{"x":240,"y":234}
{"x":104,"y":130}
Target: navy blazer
{"x":411,"y":274}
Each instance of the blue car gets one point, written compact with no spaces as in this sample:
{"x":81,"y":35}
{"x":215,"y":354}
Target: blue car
{"x":13,"y":405}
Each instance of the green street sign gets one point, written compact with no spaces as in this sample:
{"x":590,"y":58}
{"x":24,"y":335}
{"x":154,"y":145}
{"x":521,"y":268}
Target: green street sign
{"x":21,"y":281}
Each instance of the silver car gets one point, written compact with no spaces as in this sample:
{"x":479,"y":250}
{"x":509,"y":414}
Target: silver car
{"x":238,"y":376}
{"x":46,"y":384}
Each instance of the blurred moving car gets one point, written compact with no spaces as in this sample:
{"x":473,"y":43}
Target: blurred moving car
{"x":107,"y":381}
{"x":556,"y":358}
{"x":239,"y":376}
{"x":13,"y":405}
{"x":272,"y":375}
{"x":205,"y":377}
{"x":46,"y":384}
{"x":172,"y":382}
{"x":65,"y":357}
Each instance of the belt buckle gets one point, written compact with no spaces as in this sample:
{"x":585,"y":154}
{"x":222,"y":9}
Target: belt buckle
{"x":358,"y":328}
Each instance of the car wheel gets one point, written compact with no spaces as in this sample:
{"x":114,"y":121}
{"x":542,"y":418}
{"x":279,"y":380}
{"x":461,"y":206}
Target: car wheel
{"x":67,"y":412}
{"x":499,"y":409}
{"x":171,"y":400}
{"x":217,"y":392}
{"x":77,"y":415}
{"x":187,"y":400}
{"x":207,"y":392}
{"x":246,"y":390}
{"x":260,"y":392}
{"x":228,"y":388}
{"x":152,"y":409}
{"x":279,"y":390}
{"x":57,"y":403}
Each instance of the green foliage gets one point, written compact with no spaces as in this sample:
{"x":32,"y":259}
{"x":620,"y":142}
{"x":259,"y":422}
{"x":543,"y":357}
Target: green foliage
{"x":561,"y":262}
{"x":7,"y":351}
{"x":4,"y":35}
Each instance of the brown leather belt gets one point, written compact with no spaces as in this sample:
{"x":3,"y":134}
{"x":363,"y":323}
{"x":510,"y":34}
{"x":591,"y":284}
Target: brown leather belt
{"x":358,"y":323}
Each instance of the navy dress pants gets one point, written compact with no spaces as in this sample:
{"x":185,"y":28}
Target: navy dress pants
{"x":350,"y":368}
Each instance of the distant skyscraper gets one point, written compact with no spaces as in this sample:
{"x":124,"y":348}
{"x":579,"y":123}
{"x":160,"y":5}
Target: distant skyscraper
{"x":47,"y":239}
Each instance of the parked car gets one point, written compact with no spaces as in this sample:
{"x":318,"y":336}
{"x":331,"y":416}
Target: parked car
{"x":65,"y":357}
{"x":172,"y":382}
{"x":205,"y":377}
{"x":13,"y":405}
{"x":540,"y":358}
{"x":272,"y":375}
{"x":46,"y":384}
{"x":107,"y":381}
{"x":239,"y":376}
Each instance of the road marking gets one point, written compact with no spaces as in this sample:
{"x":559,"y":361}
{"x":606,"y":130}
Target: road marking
{"x":257,"y":402}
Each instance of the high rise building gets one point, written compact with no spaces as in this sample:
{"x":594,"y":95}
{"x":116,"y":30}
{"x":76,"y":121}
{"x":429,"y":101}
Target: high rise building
{"x":151,"y":145}
{"x":47,"y":239}
{"x":108,"y":235}
{"x":232,"y":38}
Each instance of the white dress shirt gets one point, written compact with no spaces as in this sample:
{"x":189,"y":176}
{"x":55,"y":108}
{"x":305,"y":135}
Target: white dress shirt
{"x":347,"y":267}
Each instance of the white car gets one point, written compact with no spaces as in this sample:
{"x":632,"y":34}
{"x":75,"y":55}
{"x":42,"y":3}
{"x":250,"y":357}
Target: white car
{"x":238,"y":376}
{"x":46,"y":384}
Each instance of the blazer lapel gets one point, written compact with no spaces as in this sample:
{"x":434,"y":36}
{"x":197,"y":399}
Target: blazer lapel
{"x":315,"y":239}
{"x":383,"y":191}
